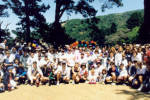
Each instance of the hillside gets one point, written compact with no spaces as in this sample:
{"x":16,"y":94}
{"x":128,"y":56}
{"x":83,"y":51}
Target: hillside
{"x":79,"y":29}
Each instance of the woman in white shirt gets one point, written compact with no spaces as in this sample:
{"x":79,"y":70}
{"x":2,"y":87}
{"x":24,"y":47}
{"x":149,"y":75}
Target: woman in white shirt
{"x":92,"y":77}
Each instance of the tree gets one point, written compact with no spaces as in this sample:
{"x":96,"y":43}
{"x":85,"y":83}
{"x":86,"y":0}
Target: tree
{"x":135,"y":19}
{"x":144,"y":33}
{"x":30,"y":14}
{"x":81,"y":6}
{"x":3,"y":13}
{"x":113,"y":28}
{"x":3,"y":7}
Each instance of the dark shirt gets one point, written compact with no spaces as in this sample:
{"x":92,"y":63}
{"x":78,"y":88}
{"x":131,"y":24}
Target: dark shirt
{"x":132,"y":71}
{"x":46,"y":71}
{"x":110,"y":71}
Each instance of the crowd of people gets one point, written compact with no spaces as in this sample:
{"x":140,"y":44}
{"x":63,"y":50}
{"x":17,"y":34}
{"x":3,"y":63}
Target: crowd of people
{"x":27,"y":63}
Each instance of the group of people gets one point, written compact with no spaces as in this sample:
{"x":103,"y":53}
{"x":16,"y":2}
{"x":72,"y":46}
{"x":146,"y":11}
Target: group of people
{"x":127,"y":64}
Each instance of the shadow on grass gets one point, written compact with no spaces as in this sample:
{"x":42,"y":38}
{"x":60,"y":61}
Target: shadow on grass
{"x":135,"y":95}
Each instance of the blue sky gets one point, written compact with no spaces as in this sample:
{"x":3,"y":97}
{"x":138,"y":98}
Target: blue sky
{"x":128,"y":5}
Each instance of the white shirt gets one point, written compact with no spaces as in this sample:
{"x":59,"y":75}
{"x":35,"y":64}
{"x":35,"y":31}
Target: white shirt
{"x":1,"y":73}
{"x":65,"y":72}
{"x":30,"y":61}
{"x":125,"y":62}
{"x":123,"y":73}
{"x":1,"y":58}
{"x":118,"y":59}
{"x":70,"y":59}
{"x":2,"y":45}
{"x":141,"y":71}
{"x":92,"y":77}
{"x":139,"y":57}
{"x":99,"y":70}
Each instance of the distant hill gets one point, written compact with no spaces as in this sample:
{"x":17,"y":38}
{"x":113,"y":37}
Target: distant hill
{"x":78,"y":28}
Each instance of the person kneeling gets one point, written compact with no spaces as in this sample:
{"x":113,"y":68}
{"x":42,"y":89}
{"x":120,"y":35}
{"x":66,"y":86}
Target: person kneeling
{"x":34,"y":74}
{"x":122,"y":78}
{"x":92,"y":76}
{"x":63,"y":74}
{"x":112,"y":74}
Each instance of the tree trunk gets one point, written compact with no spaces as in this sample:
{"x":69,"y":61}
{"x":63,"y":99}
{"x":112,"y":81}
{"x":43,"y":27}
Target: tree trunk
{"x":57,"y":12}
{"x":28,"y":31}
{"x":144,"y":35}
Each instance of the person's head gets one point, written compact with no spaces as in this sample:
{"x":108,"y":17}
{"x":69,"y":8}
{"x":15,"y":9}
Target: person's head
{"x":14,"y":50}
{"x":104,"y":71}
{"x":96,"y":51}
{"x":63,"y":65}
{"x":46,"y":58}
{"x":92,"y":70}
{"x":113,"y":67}
{"x":111,"y":54}
{"x":98,"y":63}
{"x":25,"y":53}
{"x":121,"y":66}
{"x":120,"y":49}
{"x":129,"y":63}
{"x":76,"y":65}
{"x":82,"y":55}
{"x":39,"y":57}
{"x":105,"y":54}
{"x":8,"y":53}
{"x":16,"y":61}
{"x":123,"y":56}
{"x":20,"y":64}
{"x":83,"y":66}
{"x":35,"y":64}
{"x":32,"y":54}
{"x":139,"y":64}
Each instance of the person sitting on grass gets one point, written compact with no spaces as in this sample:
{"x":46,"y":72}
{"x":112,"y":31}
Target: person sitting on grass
{"x":131,"y":69}
{"x":102,"y":76}
{"x":112,"y":74}
{"x":46,"y":71}
{"x":83,"y":73}
{"x":63,"y":73}
{"x":76,"y":73}
{"x":52,"y":78}
{"x":92,"y":77}
{"x":34,"y":74}
{"x":21,"y":74}
{"x":138,"y":79}
{"x":9,"y":80}
{"x":122,"y":78}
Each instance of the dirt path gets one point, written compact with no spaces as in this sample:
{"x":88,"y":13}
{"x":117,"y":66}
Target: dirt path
{"x":74,"y":92}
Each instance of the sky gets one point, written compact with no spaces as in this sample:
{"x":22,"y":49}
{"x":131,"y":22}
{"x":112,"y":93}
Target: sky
{"x":128,"y":5}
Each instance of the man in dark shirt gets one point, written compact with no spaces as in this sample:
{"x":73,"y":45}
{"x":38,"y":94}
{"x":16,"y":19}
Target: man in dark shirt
{"x":112,"y":74}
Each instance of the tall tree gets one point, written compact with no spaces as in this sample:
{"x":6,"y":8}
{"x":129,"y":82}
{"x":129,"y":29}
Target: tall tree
{"x":30,"y":14}
{"x":82,"y":7}
{"x":113,"y":28}
{"x":136,"y":19}
{"x":3,"y":13}
{"x":144,"y":33}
